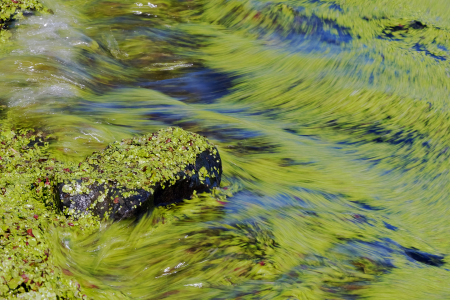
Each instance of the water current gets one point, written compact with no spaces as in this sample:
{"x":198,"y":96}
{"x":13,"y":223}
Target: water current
{"x":332,"y":122}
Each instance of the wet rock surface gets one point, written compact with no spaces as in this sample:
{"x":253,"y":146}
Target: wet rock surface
{"x":129,"y":177}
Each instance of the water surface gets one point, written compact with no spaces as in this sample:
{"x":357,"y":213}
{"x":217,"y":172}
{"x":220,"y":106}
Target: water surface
{"x":331,"y":118}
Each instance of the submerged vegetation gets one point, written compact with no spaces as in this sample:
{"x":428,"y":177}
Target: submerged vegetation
{"x":30,"y":220}
{"x":331,"y":118}
{"x":141,"y":162}
{"x":27,"y":265}
{"x":129,"y":177}
{"x":14,"y":10}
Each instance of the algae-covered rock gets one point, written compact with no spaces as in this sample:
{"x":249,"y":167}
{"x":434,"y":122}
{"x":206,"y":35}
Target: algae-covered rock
{"x":129,"y":177}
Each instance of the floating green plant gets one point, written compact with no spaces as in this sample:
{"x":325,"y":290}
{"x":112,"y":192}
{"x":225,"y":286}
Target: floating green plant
{"x":13,"y":10}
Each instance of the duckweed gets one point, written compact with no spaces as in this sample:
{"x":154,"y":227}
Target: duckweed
{"x":13,"y":10}
{"x":27,"y":187}
{"x":106,"y":182}
{"x":140,"y":162}
{"x":27,"y":266}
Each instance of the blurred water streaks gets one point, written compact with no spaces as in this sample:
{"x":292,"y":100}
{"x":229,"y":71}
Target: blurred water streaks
{"x":331,"y":118}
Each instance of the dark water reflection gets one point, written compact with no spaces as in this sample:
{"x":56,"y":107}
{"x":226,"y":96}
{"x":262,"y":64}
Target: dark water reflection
{"x":196,"y":86}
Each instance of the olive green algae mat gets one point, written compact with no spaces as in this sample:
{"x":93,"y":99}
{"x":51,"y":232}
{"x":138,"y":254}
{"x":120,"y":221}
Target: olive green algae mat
{"x":27,"y":222}
{"x":31,"y":215}
{"x":331,"y":118}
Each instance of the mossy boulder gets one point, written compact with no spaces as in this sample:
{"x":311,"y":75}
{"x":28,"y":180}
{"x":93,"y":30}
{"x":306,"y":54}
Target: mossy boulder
{"x":129,"y":177}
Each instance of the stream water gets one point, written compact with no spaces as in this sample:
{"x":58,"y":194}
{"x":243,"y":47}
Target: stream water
{"x":332,"y":121}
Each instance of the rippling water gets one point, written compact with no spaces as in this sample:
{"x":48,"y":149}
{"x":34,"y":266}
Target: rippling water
{"x":331,"y":118}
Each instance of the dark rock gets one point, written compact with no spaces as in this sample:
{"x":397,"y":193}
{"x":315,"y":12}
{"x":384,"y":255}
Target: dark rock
{"x":159,"y":169}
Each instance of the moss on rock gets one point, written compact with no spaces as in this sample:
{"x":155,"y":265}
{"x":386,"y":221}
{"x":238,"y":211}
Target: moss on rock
{"x":128,"y":177}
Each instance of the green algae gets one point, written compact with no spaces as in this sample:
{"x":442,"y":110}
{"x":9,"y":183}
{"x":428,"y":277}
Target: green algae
{"x":330,"y":142}
{"x":13,"y":10}
{"x":28,"y":267}
{"x":146,"y":163}
{"x":30,"y":218}
{"x":141,"y":162}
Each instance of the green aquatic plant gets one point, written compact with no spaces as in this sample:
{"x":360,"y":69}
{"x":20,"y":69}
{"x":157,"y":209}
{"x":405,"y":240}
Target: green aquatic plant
{"x":334,"y":123}
{"x":132,"y":175}
{"x":13,"y":10}
{"x":27,"y":265}
{"x":141,"y":162}
{"x":27,"y":195}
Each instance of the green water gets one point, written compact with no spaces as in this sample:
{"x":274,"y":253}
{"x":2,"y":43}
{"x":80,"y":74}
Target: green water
{"x":331,"y":118}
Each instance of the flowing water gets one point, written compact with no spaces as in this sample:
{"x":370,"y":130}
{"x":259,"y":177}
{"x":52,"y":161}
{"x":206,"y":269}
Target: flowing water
{"x":331,"y":117}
